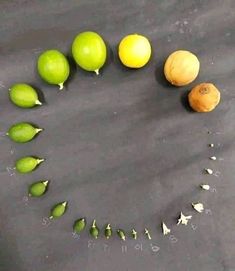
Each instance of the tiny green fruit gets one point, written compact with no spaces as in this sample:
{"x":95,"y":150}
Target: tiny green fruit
{"x":53,"y":67}
{"x":121,"y":234}
{"x":38,"y":189}
{"x":22,"y":132}
{"x":94,"y":230}
{"x":24,"y":95}
{"x":108,"y":231}
{"x":27,"y":164}
{"x":79,"y":225}
{"x":134,"y":234}
{"x":58,"y":210}
{"x":89,"y":51}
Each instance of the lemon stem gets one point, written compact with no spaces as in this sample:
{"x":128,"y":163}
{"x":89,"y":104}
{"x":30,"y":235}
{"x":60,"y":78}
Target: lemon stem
{"x":37,"y":130}
{"x":64,"y":203}
{"x":38,"y":102}
{"x":45,"y":183}
{"x":40,"y":160}
{"x":97,"y":71}
{"x":61,"y":85}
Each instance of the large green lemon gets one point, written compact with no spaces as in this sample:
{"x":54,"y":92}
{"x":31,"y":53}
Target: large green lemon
{"x":89,"y":51}
{"x":53,"y":67}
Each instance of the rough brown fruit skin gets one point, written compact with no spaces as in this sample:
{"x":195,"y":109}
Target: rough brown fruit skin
{"x":181,"y":68}
{"x":204,"y":97}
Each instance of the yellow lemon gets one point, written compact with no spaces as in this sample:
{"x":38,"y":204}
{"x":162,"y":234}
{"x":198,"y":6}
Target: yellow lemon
{"x":134,"y":51}
{"x":181,"y":68}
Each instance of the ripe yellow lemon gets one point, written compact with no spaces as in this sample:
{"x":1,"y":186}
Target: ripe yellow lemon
{"x":181,"y":68}
{"x":134,"y":51}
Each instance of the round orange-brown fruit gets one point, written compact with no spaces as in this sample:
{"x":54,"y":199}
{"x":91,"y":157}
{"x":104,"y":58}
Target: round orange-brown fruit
{"x":204,"y":97}
{"x":181,"y":68}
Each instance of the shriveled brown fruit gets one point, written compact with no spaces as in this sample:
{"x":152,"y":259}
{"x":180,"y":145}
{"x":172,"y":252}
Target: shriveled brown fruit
{"x":204,"y":97}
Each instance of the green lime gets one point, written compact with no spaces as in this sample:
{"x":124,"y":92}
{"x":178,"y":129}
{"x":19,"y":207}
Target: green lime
{"x":24,"y":95}
{"x":53,"y":67}
{"x":58,"y":210}
{"x":38,"y":189}
{"x":121,"y":234}
{"x":79,"y":225}
{"x":108,"y":231}
{"x":27,"y":164}
{"x":94,"y":230}
{"x":22,"y":132}
{"x":89,"y":51}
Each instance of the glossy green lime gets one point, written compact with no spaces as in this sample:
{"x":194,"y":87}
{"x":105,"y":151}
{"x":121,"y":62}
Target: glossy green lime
{"x":53,"y":67}
{"x":94,"y":230}
{"x":22,"y":132}
{"x":27,"y":164}
{"x":24,"y":95}
{"x":58,"y":210}
{"x":108,"y":231}
{"x":79,"y":225}
{"x":121,"y":234}
{"x":89,"y":51}
{"x":38,"y":189}
{"x":134,"y":234}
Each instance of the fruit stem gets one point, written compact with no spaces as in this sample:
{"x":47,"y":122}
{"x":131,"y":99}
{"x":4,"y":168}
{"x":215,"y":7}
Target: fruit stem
{"x":64,"y":203}
{"x":37,"y":130}
{"x":45,"y":183}
{"x":97,"y":71}
{"x":61,"y":85}
{"x":94,"y":224}
{"x":38,"y":102}
{"x":40,"y":160}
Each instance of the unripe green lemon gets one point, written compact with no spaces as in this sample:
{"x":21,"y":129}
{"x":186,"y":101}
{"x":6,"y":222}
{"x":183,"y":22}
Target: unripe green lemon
{"x":38,"y":189}
{"x":58,"y":210}
{"x":27,"y":164}
{"x":24,"y":95}
{"x":53,"y":67}
{"x":89,"y":51}
{"x":22,"y":132}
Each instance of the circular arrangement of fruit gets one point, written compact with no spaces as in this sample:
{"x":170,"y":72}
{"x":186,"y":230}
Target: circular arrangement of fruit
{"x":89,"y":52}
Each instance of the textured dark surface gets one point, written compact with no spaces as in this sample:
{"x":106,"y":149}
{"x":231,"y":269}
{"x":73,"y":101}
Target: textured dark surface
{"x":122,"y":147}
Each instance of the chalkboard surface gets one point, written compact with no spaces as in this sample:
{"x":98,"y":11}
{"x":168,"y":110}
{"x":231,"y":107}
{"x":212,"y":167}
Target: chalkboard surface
{"x":122,"y":147}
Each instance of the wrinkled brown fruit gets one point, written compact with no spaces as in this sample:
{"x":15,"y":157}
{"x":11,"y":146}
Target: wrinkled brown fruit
{"x":204,"y":97}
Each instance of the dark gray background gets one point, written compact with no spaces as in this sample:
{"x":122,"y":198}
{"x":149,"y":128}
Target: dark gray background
{"x":122,"y":147}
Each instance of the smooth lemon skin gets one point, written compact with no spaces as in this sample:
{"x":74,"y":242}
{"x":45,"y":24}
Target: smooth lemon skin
{"x":27,"y":164}
{"x":89,"y":51}
{"x":204,"y":97}
{"x":53,"y":67}
{"x":181,"y":68}
{"x":23,"y":95}
{"x":134,"y":51}
{"x":22,"y":132}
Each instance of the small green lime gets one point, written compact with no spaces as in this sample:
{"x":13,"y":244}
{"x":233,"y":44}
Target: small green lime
{"x":27,"y":164}
{"x":53,"y":67}
{"x":89,"y":51}
{"x":38,"y":189}
{"x":121,"y":234}
{"x":94,"y":230}
{"x":24,"y":95}
{"x":22,"y":132}
{"x":58,"y":210}
{"x":79,"y":225}
{"x":108,"y":231}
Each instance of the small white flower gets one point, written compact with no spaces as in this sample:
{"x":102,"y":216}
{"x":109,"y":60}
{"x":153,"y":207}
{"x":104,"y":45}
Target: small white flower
{"x":209,"y":171}
{"x":205,"y":186}
{"x":165,"y":230}
{"x":184,"y":219}
{"x":198,"y":207}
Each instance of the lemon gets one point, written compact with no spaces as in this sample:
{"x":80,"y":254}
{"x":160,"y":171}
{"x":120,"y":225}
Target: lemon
{"x":89,"y":51}
{"x":181,"y":68}
{"x":134,"y":51}
{"x":24,"y":95}
{"x":22,"y":132}
{"x":38,"y":189}
{"x":53,"y":67}
{"x":27,"y":164}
